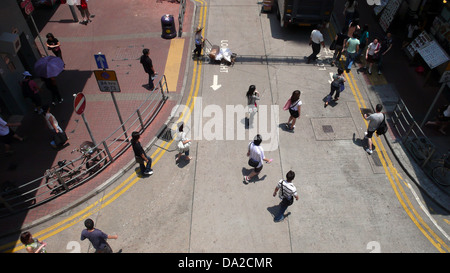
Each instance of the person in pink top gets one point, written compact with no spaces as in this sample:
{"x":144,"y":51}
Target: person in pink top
{"x":31,"y":90}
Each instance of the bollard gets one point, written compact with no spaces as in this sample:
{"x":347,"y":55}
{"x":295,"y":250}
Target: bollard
{"x":168,"y":27}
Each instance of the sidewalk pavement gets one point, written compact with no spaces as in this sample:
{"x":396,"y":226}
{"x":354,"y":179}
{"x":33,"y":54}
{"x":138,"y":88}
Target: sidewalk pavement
{"x":400,"y":80}
{"x":120,"y":32}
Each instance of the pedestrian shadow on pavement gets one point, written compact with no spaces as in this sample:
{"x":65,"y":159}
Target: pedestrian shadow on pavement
{"x":182,"y":162}
{"x":331,"y":103}
{"x":284,"y":127}
{"x":256,"y":178}
{"x":363,"y":143}
{"x":274,"y":211}
{"x":359,"y":142}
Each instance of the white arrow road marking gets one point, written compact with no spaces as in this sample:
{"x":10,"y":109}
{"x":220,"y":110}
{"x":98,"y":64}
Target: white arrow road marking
{"x":215,"y":86}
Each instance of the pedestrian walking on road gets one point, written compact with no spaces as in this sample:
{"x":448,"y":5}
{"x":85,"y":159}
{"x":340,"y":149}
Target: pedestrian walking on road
{"x":54,"y":45}
{"x":386,"y":45}
{"x":199,"y":41}
{"x":363,"y":41}
{"x":252,"y":96}
{"x":256,"y":157}
{"x":340,"y":41}
{"x":336,"y":86}
{"x":32,"y":245}
{"x":287,"y":193}
{"x":31,"y":90}
{"x":353,"y":28}
{"x":372,"y":54}
{"x":352,"y":50}
{"x":7,"y":135}
{"x":97,"y":237}
{"x":315,"y":40}
{"x":51,"y":85}
{"x":148,"y":67}
{"x":350,"y":8}
{"x":140,"y":155}
{"x":293,"y":104}
{"x":53,"y":125}
{"x":183,"y":143}
{"x":84,"y":11}
{"x":375,"y":120}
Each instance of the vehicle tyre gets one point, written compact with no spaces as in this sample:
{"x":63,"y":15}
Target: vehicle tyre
{"x":441,"y":175}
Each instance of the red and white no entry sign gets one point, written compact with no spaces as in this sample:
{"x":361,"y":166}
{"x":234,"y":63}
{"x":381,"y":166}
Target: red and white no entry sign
{"x":79,"y":103}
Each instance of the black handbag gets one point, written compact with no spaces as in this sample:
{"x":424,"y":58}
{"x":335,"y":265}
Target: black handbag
{"x":253,"y":163}
{"x":60,"y":138}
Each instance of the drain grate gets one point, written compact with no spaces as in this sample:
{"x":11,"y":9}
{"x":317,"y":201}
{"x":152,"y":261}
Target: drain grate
{"x":327,"y":129}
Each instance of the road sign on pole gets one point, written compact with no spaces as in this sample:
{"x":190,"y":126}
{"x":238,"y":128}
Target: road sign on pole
{"x":79,"y":104}
{"x":107,"y":80}
{"x":100,"y":59}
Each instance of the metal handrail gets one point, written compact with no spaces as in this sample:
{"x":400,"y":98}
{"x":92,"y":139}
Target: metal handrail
{"x":34,"y":193}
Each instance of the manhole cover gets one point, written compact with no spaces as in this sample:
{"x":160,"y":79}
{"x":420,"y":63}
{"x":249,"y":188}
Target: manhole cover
{"x":327,"y":129}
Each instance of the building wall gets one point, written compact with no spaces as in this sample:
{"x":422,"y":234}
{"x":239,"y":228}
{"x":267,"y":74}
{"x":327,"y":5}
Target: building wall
{"x":13,"y":65}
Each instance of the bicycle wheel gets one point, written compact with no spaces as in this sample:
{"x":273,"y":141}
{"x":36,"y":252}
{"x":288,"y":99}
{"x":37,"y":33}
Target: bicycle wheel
{"x":95,"y":163}
{"x":441,"y":175}
{"x":418,"y":149}
{"x":51,"y":182}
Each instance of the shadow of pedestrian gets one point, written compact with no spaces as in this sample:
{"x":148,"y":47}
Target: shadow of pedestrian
{"x":358,"y":141}
{"x":284,"y":127}
{"x":254,"y":179}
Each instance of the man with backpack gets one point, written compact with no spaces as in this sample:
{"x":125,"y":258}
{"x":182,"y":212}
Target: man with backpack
{"x":287,"y":194}
{"x":376,"y":121}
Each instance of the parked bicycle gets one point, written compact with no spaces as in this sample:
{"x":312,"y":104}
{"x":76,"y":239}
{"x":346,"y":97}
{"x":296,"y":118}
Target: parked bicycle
{"x":421,"y":149}
{"x":63,"y":172}
{"x":93,"y":159}
{"x":441,"y":173}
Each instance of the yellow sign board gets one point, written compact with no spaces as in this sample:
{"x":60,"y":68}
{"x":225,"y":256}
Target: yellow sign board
{"x":107,"y":80}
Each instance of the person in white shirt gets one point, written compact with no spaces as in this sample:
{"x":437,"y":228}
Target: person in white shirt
{"x":371,"y":54}
{"x":7,"y":134}
{"x":52,"y":123}
{"x":315,"y":40}
{"x":256,"y":153}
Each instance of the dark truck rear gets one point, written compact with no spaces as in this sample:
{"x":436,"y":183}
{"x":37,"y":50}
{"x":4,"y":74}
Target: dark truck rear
{"x":303,"y":12}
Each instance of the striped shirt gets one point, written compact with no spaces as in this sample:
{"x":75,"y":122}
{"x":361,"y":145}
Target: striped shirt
{"x":288,"y":191}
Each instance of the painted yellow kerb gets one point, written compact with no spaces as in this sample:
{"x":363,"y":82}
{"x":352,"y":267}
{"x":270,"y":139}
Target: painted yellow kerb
{"x":173,"y":63}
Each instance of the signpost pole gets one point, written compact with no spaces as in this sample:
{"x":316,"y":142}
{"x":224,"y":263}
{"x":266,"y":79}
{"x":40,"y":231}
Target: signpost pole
{"x":118,"y":113}
{"x":89,"y":129}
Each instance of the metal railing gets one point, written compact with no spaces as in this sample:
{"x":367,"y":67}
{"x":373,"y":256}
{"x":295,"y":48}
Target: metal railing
{"x":66,"y":176}
{"x":418,"y":145}
{"x":181,"y":13}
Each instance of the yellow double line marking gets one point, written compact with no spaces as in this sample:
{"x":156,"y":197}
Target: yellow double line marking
{"x":394,"y":178}
{"x":132,"y":179}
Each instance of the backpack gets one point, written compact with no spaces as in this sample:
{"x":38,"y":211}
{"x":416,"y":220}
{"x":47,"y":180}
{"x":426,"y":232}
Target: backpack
{"x":382,"y":128}
{"x":26,"y":89}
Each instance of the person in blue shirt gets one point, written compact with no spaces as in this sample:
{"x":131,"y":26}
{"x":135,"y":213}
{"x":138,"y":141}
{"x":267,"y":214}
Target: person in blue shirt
{"x":96,"y":237}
